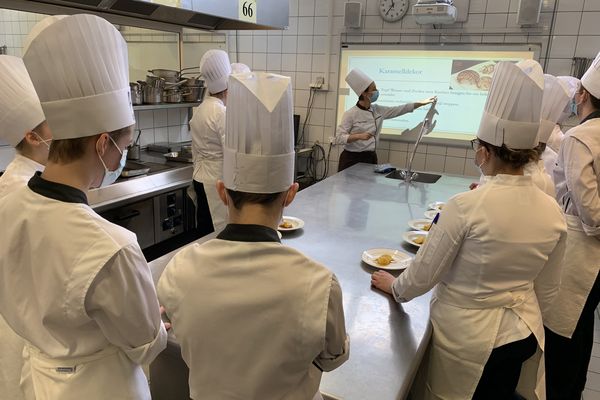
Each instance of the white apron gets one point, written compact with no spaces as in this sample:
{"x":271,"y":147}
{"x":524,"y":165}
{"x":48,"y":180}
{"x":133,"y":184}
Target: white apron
{"x":460,"y":348}
{"x":76,"y":378}
{"x":576,"y":279}
{"x":208,"y":172}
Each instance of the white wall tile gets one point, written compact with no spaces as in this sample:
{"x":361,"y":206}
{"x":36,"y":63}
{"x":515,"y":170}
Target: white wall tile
{"x":567,"y":23}
{"x":259,"y":44}
{"x":478,"y":6}
{"x":495,"y":21}
{"x":245,"y":44}
{"x":273,"y":62}
{"x":570,"y":5}
{"x":559,"y":66}
{"x":474,"y":21}
{"x":591,"y":5}
{"x":319,"y":45}
{"x":398,"y":158}
{"x":590,"y":21}
{"x":304,"y":44}
{"x":274,"y":44}
{"x":147,"y":137}
{"x":321,"y":26}
{"x":293,"y":8}
{"x":587,"y":46}
{"x":454,"y":165}
{"x":456,"y":152}
{"x":247,"y":59}
{"x":160,"y":118}
{"x":563,"y":46}
{"x":289,"y":44}
{"x":498,"y":6}
{"x":435,"y":163}
{"x":306,"y":7}
{"x":259,"y":61}
{"x":146,"y":119}
{"x":304,"y":62}
{"x":322,"y":7}
{"x":161,"y":134}
{"x":174,"y":134}
{"x":288,"y":62}
{"x":305,"y":25}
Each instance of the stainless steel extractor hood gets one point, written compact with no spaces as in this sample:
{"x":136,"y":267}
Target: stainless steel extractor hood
{"x":200,"y":14}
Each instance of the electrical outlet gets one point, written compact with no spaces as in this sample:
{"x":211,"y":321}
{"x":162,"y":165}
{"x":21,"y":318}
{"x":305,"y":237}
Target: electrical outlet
{"x":318,"y":83}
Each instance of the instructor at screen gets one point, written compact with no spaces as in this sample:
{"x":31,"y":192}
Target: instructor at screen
{"x":361,"y":124}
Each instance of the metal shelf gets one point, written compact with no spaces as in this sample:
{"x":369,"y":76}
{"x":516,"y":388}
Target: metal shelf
{"x":165,"y":105}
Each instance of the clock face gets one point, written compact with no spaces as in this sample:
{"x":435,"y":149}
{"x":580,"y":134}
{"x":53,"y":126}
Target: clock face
{"x":393,"y":10}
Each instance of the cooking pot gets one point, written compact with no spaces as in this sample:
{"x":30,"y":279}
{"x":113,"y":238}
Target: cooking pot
{"x":152,"y":95}
{"x":168,"y":75}
{"x":172,"y":96}
{"x":195,"y":93}
{"x":137,"y":96}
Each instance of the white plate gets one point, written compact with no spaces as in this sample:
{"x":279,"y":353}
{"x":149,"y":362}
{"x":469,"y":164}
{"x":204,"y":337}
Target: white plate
{"x":297,"y":223}
{"x":409,"y":237}
{"x":436,"y":205}
{"x":400,"y":260}
{"x":419,"y":224}
{"x":430,"y":214}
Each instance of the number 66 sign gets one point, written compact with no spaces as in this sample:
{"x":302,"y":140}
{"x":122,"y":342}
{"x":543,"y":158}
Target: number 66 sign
{"x":247,"y":10}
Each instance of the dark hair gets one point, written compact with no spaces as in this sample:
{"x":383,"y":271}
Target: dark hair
{"x":594,"y":100}
{"x":539,"y":150}
{"x":512,"y":157}
{"x":242,"y":198}
{"x":63,"y":151}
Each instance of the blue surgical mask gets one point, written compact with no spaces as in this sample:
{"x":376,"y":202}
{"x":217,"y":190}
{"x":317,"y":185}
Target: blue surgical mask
{"x":574,"y":107}
{"x":111,"y":176}
{"x":374,"y":96}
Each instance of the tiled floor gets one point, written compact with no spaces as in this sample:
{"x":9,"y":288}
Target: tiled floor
{"x":592,"y":386}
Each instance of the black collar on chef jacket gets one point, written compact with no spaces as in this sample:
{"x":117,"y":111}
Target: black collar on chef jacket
{"x":56,"y":191}
{"x":595,"y":114}
{"x":248,"y":233}
{"x":362,"y":107}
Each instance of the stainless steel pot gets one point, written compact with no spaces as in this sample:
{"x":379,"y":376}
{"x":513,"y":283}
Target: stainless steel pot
{"x":195,"y":93}
{"x":193,"y":82}
{"x":155,"y":81}
{"x":137,"y":97}
{"x":152,"y":95}
{"x":168,"y":75}
{"x":172,"y":96}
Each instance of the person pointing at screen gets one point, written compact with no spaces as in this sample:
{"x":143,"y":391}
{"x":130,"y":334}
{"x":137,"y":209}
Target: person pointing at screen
{"x":362,"y":123}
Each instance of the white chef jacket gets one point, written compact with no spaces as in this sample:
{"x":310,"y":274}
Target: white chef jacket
{"x":357,"y":120}
{"x":556,"y":138}
{"x":18,"y":173}
{"x":74,"y":285}
{"x":255,"y":319}
{"x":577,"y":177}
{"x":208,"y":134}
{"x":495,"y":255}
{"x":539,"y":176}
{"x":549,"y":158}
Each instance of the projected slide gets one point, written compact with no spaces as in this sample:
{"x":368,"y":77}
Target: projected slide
{"x":461,"y":79}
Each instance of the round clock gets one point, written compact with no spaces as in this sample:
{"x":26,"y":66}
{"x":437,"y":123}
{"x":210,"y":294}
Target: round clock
{"x":393,"y":10}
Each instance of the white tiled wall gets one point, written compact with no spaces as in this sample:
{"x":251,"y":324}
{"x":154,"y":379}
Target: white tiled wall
{"x":300,"y":52}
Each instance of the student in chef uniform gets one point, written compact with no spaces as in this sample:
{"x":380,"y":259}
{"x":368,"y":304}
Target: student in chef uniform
{"x":494,"y":258}
{"x":556,"y":98}
{"x":208,"y":132}
{"x":76,"y":287}
{"x":570,"y":326}
{"x":239,"y":68}
{"x":255,"y":319}
{"x":362,"y":123}
{"x":22,"y":125}
{"x":557,"y":135}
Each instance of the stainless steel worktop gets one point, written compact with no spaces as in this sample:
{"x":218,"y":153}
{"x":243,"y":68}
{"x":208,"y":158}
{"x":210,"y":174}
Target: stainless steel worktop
{"x":344,"y":215}
{"x":178,"y":175}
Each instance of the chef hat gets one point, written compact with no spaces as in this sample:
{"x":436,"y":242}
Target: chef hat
{"x":20,"y":109}
{"x":216,"y":68}
{"x":512,"y":111}
{"x":573,"y":84}
{"x":239,"y":68}
{"x":591,"y":78}
{"x":80,"y":70}
{"x":39,"y":27}
{"x":358,"y":81}
{"x":556,"y":97}
{"x":258,"y":154}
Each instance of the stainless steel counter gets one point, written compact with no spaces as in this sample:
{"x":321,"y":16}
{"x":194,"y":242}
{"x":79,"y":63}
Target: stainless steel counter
{"x":344,"y":215}
{"x":178,"y":175}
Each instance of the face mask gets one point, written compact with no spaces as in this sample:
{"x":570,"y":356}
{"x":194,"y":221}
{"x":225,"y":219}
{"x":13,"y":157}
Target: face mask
{"x":574,"y":107}
{"x":46,"y":142}
{"x":374,"y":96}
{"x":111,"y":176}
{"x":480,"y":165}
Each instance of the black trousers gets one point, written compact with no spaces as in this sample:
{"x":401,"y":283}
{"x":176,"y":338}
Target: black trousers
{"x":349,"y":158}
{"x":204,"y":224}
{"x":502,"y":370}
{"x":567,"y":359}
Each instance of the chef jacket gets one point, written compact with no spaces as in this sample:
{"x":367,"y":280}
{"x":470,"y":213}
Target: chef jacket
{"x":17,"y":173}
{"x":78,"y":289}
{"x":255,"y":319}
{"x":577,"y":177}
{"x":358,"y":119}
{"x":539,"y":176}
{"x":556,"y":138}
{"x":208,"y":134}
{"x":497,"y":270}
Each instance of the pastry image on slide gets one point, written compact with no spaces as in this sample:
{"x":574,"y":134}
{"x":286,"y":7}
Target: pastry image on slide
{"x":472,"y":75}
